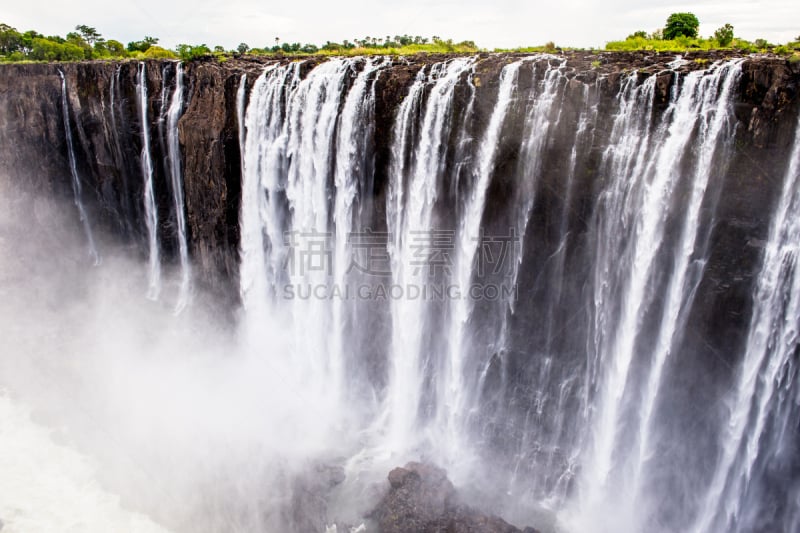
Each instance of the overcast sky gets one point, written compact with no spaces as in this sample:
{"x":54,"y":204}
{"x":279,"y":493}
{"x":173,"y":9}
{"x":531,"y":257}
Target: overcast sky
{"x":500,"y":23}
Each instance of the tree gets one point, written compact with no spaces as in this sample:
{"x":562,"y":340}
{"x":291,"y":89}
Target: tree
{"x":10,"y":39}
{"x":638,"y":34}
{"x":76,"y":39}
{"x":678,"y":24}
{"x":188,"y":52}
{"x":114,"y":48}
{"x":143,"y":45}
{"x":242,"y":48}
{"x":89,"y":34}
{"x":724,"y":35}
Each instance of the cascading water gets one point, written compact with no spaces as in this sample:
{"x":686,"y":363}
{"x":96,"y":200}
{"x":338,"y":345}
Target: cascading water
{"x":765,"y":392}
{"x":647,"y":259}
{"x":77,"y":189}
{"x":412,"y":195}
{"x":151,"y":212}
{"x":553,"y":404}
{"x":176,"y":183}
{"x":640,"y":200}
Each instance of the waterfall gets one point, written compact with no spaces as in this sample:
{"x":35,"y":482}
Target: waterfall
{"x":639,"y":202}
{"x":766,"y":375}
{"x":451,"y":401}
{"x":262,"y":218}
{"x":76,"y":180}
{"x":416,"y":169}
{"x":151,"y":212}
{"x":351,"y":171}
{"x":176,"y":182}
{"x":566,"y":404}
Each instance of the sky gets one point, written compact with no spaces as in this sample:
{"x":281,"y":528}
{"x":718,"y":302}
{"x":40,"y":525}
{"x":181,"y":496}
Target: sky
{"x":496,"y":24}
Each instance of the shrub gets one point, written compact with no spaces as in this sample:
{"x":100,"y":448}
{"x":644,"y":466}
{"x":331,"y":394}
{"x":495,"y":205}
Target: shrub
{"x":724,"y":35}
{"x":156,"y":52}
{"x":761,"y":44}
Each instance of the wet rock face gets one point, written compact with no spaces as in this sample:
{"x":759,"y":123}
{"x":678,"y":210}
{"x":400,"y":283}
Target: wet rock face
{"x":106,"y":127}
{"x":423,"y":500}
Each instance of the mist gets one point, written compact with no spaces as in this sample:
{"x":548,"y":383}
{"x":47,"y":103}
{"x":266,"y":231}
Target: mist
{"x":174,"y":413}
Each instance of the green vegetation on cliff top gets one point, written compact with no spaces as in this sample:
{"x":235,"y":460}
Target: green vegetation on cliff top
{"x":680,"y":34}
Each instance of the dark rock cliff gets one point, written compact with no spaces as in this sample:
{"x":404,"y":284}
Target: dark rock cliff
{"x":33,"y":147}
{"x":104,"y":122}
{"x":106,"y":129}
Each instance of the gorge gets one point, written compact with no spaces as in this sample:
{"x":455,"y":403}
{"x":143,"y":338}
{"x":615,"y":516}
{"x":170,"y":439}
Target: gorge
{"x":569,"y":280}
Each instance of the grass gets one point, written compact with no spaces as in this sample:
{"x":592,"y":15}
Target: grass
{"x":687,"y":44}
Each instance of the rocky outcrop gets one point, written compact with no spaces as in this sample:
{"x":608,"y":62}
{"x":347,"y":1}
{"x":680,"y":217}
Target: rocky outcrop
{"x":423,"y":500}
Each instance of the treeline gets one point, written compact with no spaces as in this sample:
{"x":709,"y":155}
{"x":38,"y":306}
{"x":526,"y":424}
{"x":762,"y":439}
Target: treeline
{"x":681,"y":32}
{"x":87,"y":43}
{"x":83,"y":43}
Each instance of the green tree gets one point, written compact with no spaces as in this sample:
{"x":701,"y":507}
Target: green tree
{"x":26,"y":41}
{"x":78,"y":40}
{"x":89,"y":34}
{"x":143,"y":45}
{"x":678,"y":24}
{"x":242,"y":48}
{"x":724,"y":35}
{"x":638,"y":34}
{"x":115,"y":48}
{"x":188,"y":52}
{"x":47,"y":50}
{"x":10,"y":39}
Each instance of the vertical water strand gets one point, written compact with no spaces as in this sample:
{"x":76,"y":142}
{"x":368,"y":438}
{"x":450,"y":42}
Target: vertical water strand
{"x":348,"y":176}
{"x":241,"y":96}
{"x":538,"y":123}
{"x":73,"y":168}
{"x":451,"y":400}
{"x":630,"y":230}
{"x":771,"y":346}
{"x":630,"y":132}
{"x":151,"y":213}
{"x":642,"y":236}
{"x":263,"y":253}
{"x":713,"y":94}
{"x":176,"y":181}
{"x":163,"y":103}
{"x":252,"y":257}
{"x":554,"y":477}
{"x":415,"y":170}
{"x":313,"y":117}
{"x":262,"y":132}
